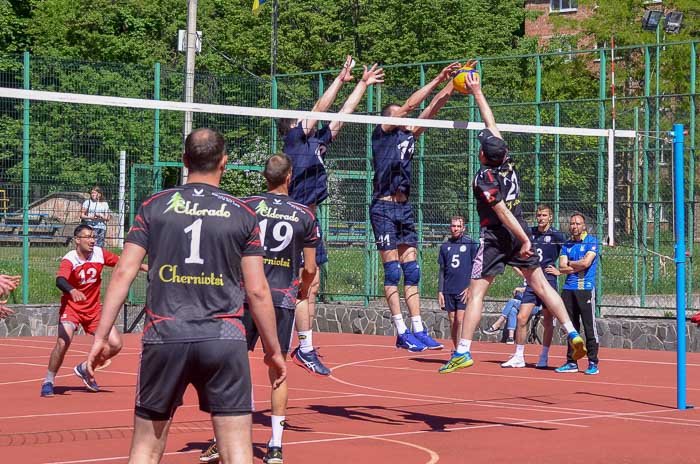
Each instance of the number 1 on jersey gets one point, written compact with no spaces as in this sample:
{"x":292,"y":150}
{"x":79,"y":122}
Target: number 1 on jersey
{"x":196,"y":229}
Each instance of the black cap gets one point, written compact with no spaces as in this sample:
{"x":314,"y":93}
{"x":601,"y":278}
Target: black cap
{"x":495,"y":148}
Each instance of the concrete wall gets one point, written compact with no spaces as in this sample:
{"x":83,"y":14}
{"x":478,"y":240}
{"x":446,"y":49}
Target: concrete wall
{"x":615,"y":332}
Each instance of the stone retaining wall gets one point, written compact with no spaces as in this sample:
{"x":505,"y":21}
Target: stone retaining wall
{"x":614,"y":332}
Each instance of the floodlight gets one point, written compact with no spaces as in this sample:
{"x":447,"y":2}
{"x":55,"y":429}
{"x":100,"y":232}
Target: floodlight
{"x":673,"y":22}
{"x":651,"y":19}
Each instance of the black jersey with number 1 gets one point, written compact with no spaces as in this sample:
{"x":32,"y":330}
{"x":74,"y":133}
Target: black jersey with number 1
{"x":195,"y":236}
{"x":286,"y":228}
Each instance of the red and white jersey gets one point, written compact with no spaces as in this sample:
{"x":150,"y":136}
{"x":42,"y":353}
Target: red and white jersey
{"x":85,"y":276}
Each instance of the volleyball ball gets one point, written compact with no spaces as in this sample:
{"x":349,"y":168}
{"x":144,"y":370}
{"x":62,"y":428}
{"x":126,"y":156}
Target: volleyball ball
{"x":460,"y":79}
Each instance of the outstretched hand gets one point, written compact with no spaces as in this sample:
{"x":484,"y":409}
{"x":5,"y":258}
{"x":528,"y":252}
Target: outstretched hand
{"x":373,"y":75}
{"x":448,"y":71}
{"x":346,"y":73}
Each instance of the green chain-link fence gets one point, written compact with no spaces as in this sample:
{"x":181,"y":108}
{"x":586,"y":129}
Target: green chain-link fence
{"x":51,"y":155}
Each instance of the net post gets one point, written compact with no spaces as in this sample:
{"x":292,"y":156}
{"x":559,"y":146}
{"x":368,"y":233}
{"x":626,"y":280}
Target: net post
{"x":25,"y":183}
{"x":156,"y":128}
{"x":679,"y":230}
{"x":611,"y":187}
{"x":122,"y":197}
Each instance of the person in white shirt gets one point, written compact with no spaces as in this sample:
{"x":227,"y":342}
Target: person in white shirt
{"x":96,"y":214}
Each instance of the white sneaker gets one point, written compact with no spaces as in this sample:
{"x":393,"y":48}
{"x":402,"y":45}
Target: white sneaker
{"x":514,"y":361}
{"x":542,"y":363}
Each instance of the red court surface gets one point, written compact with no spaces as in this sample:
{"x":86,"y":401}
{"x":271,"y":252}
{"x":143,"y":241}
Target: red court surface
{"x":380,"y":405}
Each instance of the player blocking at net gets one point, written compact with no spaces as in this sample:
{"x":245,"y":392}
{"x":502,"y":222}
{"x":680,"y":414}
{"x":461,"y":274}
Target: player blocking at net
{"x":391,"y":214}
{"x":503,"y":237}
{"x":306,"y":145}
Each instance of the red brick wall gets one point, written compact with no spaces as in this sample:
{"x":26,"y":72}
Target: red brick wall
{"x":542,"y":27}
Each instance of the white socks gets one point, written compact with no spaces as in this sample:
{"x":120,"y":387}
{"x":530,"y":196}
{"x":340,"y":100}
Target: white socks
{"x":416,"y":324}
{"x":569,"y":327}
{"x":277,"y":429}
{"x":464,"y":346}
{"x":306,"y":343}
{"x":399,"y":324}
{"x":50,"y":376}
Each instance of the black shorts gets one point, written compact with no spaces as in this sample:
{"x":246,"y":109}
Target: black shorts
{"x":529,"y":295}
{"x":218,"y":370}
{"x":393,"y":224}
{"x":498,"y":248}
{"x":285,"y":328}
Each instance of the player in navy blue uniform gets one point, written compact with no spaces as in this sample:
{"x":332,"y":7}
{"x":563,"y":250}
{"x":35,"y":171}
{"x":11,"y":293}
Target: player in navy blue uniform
{"x":503,"y":236}
{"x":455,"y":260}
{"x":307,"y":146}
{"x":579,"y":261}
{"x":547,"y":242}
{"x":287,"y":230}
{"x":204,"y":256}
{"x":391,"y":213}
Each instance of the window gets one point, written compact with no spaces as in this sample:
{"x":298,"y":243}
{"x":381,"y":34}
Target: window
{"x":562,"y":6}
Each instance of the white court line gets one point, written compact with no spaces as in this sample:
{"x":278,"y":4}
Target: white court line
{"x":588,"y":381}
{"x":544,"y":421}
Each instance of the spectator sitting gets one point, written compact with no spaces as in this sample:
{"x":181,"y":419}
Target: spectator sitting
{"x":509,"y":314}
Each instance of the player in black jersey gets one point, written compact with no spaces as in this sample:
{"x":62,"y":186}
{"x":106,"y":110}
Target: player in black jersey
{"x":547,"y":242}
{"x":202,"y":244}
{"x":287,"y":229}
{"x":503,"y":236}
{"x":307,"y":147}
{"x":391,"y":213}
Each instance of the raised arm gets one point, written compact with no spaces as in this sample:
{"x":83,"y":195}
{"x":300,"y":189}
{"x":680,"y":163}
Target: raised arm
{"x":417,"y":98}
{"x":474,"y":84}
{"x":329,"y":95}
{"x":435,"y":105}
{"x":370,"y":76}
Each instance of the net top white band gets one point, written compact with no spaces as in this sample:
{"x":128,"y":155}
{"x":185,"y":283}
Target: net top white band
{"x":122,"y":102}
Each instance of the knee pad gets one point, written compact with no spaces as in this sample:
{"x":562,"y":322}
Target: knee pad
{"x":411,"y":273}
{"x":392,"y":274}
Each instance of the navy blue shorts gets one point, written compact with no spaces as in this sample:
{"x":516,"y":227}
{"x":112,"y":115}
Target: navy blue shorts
{"x":530,"y":297}
{"x":453,"y":302}
{"x":393,"y":224}
{"x":321,"y":254}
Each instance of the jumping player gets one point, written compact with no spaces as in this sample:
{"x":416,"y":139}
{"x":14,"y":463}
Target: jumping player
{"x":503,"y":237}
{"x":547,"y":242}
{"x":307,"y":146}
{"x":205,"y":255}
{"x":287,"y":229}
{"x":80,"y":278}
{"x":391,"y":213}
{"x":455,"y":260}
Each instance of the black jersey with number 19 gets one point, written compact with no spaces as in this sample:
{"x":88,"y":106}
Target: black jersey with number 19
{"x":286,"y":228}
{"x":195,"y":236}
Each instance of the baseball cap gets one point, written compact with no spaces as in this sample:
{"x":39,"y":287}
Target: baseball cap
{"x":495,"y":148}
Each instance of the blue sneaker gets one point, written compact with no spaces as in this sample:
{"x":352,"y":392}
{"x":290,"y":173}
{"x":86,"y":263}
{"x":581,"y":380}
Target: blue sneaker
{"x":592,"y":369}
{"x":427,"y":340}
{"x":578,"y":345}
{"x":409,"y":342}
{"x":310,"y":362}
{"x":457,"y":361}
{"x":47,"y":389}
{"x":91,"y":385}
{"x":568,"y":367}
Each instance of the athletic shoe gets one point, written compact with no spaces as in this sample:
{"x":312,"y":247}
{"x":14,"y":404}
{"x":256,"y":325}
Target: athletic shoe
{"x":566,"y":368}
{"x":510,"y":341}
{"x":83,"y":375}
{"x":310,"y":362}
{"x":514,"y":361}
{"x":47,"y":389}
{"x":542,"y":363}
{"x":427,"y":340}
{"x":457,"y":361}
{"x":273,"y":455}
{"x":409,"y":342}
{"x":490,"y":331}
{"x":578,"y":345}
{"x":592,"y":369}
{"x":211,"y":454}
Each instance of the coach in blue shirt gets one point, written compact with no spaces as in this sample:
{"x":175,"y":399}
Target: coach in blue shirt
{"x":455,"y":259}
{"x":579,"y":261}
